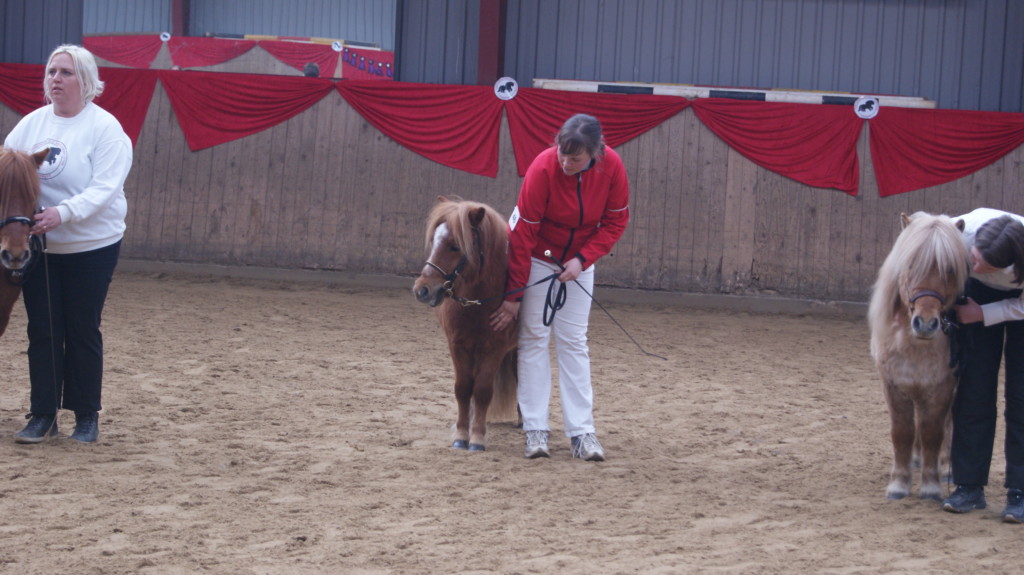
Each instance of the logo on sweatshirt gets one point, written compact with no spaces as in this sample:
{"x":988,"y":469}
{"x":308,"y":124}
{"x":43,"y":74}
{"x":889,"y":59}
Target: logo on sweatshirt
{"x":55,"y":162}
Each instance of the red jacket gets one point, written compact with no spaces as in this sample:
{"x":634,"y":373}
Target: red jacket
{"x":573,"y":216}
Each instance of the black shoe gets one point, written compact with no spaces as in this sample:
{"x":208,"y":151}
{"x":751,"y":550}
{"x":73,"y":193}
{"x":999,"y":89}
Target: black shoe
{"x":1014,"y":511}
{"x":965,"y":498}
{"x":37,"y":429}
{"x":87,"y":426}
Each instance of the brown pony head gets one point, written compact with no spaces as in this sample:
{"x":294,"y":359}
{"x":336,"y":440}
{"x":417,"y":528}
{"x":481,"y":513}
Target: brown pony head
{"x":19,"y":197}
{"x":467,"y":243}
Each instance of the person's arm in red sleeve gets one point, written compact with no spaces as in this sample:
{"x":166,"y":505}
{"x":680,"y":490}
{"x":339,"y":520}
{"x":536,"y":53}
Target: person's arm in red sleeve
{"x":615,"y":216}
{"x":524,"y":226}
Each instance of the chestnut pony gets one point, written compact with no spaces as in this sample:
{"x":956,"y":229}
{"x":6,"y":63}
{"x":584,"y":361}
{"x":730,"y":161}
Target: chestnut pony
{"x":464,"y":281}
{"x":19,"y":198}
{"x":917,"y":285}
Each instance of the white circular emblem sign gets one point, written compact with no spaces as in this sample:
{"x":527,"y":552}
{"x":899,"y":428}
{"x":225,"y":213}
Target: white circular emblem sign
{"x":336,"y":46}
{"x":506,"y":88}
{"x":165,"y":36}
{"x":866,"y":107}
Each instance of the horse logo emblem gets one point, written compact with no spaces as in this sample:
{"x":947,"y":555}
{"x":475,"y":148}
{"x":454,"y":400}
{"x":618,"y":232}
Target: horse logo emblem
{"x":506,"y":88}
{"x":55,"y":161}
{"x":866,"y":107}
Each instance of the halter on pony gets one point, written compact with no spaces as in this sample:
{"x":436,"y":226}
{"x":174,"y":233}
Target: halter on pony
{"x":449,"y":280}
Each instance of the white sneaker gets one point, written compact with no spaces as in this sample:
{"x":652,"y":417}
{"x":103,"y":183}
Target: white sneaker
{"x":537,"y":444}
{"x":587,"y":447}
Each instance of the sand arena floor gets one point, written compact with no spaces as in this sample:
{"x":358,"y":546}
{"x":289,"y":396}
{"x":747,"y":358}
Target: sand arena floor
{"x":276,"y":426}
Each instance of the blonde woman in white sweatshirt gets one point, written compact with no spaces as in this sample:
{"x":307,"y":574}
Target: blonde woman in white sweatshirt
{"x":82,"y":215}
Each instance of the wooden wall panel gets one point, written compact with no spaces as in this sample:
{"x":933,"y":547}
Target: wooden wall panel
{"x":326,"y":190}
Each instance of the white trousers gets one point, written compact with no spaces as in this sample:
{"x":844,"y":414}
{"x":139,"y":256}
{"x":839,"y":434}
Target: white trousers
{"x":573,"y":355}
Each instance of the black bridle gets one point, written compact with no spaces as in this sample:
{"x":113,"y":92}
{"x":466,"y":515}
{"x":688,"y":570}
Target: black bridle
{"x":948,"y":320}
{"x":36,"y":246}
{"x":948,"y":323}
{"x":18,"y":220}
{"x":449,"y":279}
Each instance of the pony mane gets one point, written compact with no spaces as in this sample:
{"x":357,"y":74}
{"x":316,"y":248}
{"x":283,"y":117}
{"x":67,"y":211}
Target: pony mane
{"x":491,"y":239}
{"x":18,"y":175}
{"x":928,"y":244}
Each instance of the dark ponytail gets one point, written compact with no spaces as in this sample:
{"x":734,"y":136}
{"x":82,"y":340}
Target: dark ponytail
{"x":1001,"y":242}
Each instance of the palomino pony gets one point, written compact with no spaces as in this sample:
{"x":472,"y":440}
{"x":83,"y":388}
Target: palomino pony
{"x":464,"y":280}
{"x":19,"y":198}
{"x":917,"y":285}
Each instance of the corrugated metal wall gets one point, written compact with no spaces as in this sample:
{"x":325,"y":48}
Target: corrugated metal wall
{"x":370,"y":21}
{"x":31,"y":29}
{"x":963,"y":54}
{"x":355,"y":20}
{"x":126,"y":17}
{"x":438,"y":41}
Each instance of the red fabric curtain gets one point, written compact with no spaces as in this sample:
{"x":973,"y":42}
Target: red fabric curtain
{"x":21,"y":87}
{"x":214,"y":108}
{"x":195,"y":51}
{"x":456,"y":126}
{"x":127,"y":94}
{"x":815,"y":144}
{"x":131,"y":51}
{"x":536,"y":115}
{"x":296,"y":54}
{"x":913,"y":148}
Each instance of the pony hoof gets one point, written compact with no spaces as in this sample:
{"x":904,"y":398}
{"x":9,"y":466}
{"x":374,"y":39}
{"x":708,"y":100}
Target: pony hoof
{"x":460,"y":444}
{"x":477,"y":447}
{"x":895,"y":496}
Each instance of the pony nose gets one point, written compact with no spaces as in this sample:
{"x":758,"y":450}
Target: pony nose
{"x":12,"y":262}
{"x":423,"y":294}
{"x":924,"y":328}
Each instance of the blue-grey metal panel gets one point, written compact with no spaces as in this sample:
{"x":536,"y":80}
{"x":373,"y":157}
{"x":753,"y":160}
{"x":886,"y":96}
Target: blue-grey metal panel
{"x":371,"y":21}
{"x":965,"y":54}
{"x":31,"y":29}
{"x":126,"y":17}
{"x":439,"y":41}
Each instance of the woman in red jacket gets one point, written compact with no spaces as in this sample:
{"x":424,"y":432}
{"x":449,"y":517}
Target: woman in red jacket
{"x":573,"y":205}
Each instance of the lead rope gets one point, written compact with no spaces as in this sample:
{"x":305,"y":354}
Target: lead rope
{"x":560,"y":301}
{"x":49,"y":319}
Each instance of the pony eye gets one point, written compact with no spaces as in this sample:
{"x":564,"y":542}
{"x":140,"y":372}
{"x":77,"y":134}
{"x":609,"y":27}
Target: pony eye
{"x":453,"y":248}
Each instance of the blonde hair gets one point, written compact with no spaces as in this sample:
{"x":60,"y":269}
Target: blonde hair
{"x":86,"y":71}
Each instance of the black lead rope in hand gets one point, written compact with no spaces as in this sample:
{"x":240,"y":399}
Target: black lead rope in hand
{"x":559,"y":301}
{"x":553,"y":304}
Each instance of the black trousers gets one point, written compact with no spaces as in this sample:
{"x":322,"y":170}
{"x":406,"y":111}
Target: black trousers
{"x":974,"y":409}
{"x":65,"y":346}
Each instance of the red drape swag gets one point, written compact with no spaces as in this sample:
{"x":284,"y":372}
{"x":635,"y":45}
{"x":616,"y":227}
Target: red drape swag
{"x":815,"y":144}
{"x":192,"y":51}
{"x":131,"y":51}
{"x":457,"y":126}
{"x":536,"y":115}
{"x":296,"y":54}
{"x":914,"y":148}
{"x":127,"y":94}
{"x":21,"y":87}
{"x":214,"y":107}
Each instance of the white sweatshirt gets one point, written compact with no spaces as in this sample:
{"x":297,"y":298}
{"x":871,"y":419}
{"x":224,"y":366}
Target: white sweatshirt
{"x":83,"y":177}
